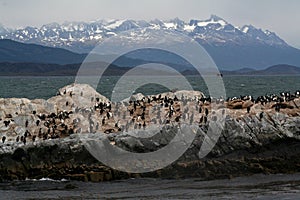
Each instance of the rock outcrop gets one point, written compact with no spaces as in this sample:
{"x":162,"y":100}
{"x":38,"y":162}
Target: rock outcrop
{"x":257,"y":141}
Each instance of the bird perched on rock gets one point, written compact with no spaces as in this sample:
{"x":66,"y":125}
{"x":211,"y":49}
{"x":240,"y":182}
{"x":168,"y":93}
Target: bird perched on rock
{"x":261,"y":115}
{"x":277,"y":108}
{"x":117,"y":124}
{"x":206,"y":111}
{"x":6,"y":123}
{"x":205,"y":119}
{"x":297,"y":93}
{"x":33,"y":138}
{"x":3,"y":139}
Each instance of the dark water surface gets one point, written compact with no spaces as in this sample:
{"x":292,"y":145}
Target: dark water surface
{"x":46,"y":87}
{"x":253,"y":187}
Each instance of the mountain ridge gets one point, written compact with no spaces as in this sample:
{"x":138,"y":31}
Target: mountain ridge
{"x":280,"y":69}
{"x":12,"y":51}
{"x":82,"y":36}
{"x":231,"y":47}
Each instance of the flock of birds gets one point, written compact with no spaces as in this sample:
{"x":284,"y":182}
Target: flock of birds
{"x":278,"y":101}
{"x":283,"y":97}
{"x":110,"y":117}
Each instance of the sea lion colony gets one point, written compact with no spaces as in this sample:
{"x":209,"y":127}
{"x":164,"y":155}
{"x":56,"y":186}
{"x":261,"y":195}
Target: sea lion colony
{"x":110,"y":117}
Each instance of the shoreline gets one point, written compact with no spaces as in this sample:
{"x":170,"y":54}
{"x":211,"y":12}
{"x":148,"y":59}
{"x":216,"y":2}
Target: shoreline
{"x":189,"y":75}
{"x":283,"y":186}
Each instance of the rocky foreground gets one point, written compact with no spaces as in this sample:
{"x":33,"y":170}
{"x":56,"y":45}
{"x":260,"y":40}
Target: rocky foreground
{"x":46,"y":138}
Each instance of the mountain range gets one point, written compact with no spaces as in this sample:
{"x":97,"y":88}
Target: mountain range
{"x":16,"y":52}
{"x":231,"y":47}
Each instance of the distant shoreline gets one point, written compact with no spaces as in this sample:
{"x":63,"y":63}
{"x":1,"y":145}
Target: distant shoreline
{"x":44,"y":69}
{"x":227,"y":75}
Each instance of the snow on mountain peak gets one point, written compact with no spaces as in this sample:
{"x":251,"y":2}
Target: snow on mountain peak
{"x":85,"y":35}
{"x":245,"y":29}
{"x":114,"y":24}
{"x":175,"y":23}
{"x":212,"y":20}
{"x":267,"y":32}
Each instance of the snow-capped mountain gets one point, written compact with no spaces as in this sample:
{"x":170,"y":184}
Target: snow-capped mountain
{"x":82,"y":37}
{"x":231,"y":47}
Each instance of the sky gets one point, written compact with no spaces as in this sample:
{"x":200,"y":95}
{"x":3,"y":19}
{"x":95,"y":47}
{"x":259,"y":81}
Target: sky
{"x":281,"y":17}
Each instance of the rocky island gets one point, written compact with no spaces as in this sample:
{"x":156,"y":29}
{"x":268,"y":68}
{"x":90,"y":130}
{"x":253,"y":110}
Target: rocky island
{"x":43,"y":138}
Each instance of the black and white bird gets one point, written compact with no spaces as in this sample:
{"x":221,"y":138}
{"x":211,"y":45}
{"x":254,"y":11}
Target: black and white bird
{"x":3,"y":139}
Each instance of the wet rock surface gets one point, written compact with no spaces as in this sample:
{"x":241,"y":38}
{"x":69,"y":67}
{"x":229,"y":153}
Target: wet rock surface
{"x":257,"y":141}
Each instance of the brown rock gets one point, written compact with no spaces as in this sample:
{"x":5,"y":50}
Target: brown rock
{"x":96,"y":176}
{"x":247,"y":104}
{"x":108,"y":176}
{"x":235,"y":104}
{"x":77,"y":177}
{"x":283,"y":105}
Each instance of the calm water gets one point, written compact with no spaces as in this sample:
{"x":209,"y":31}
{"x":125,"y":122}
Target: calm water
{"x":253,"y":187}
{"x":46,"y":87}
